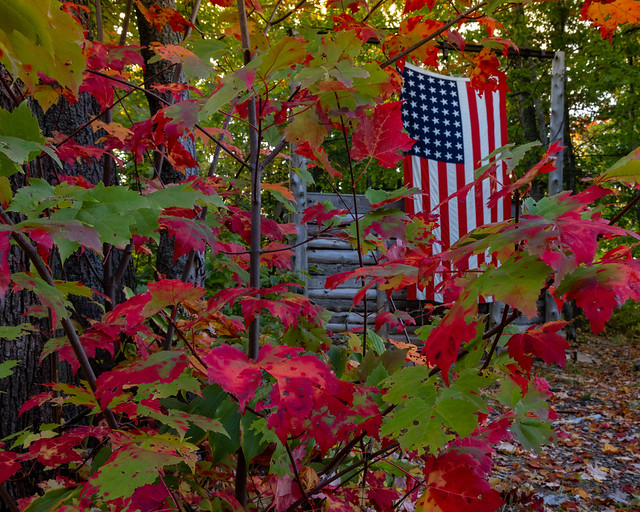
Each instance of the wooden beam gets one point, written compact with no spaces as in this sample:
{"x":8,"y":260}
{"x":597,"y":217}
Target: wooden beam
{"x":526,"y":53}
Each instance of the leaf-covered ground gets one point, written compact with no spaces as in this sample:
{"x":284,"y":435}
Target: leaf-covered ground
{"x":595,"y":464}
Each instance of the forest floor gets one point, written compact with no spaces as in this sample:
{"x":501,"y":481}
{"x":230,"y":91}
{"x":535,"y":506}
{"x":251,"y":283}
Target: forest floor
{"x":595,"y":463}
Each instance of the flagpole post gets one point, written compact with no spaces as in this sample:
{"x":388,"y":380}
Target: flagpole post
{"x":556,"y":129}
{"x":299,"y":191}
{"x":556,"y":124}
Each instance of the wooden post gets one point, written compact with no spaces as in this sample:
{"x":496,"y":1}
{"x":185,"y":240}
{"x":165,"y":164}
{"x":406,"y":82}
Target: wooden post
{"x":556,"y":129}
{"x":299,"y":190}
{"x":556,"y":125}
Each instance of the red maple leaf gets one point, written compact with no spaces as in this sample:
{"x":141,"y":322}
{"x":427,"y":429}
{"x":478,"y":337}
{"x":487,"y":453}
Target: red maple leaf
{"x":411,"y":31}
{"x":542,"y":341}
{"x":231,"y":369}
{"x":307,"y":399}
{"x":363,"y":30}
{"x":35,"y":401}
{"x":320,"y":213}
{"x":98,"y":337}
{"x":58,"y":450}
{"x":453,"y":485}
{"x":148,"y":498}
{"x":160,"y":367}
{"x":398,"y":319}
{"x":416,"y":5}
{"x":189,"y":235}
{"x":288,"y":308}
{"x":441,"y":348}
{"x":158,"y":17}
{"x":600,"y":288}
{"x":381,"y":135}
{"x":9,"y":464}
{"x":101,"y":56}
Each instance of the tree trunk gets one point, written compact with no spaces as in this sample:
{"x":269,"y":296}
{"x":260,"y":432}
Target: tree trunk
{"x":84,"y":266}
{"x":165,"y":263}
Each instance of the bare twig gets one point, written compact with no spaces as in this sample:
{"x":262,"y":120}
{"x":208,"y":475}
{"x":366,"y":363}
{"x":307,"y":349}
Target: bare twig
{"x":270,"y":20}
{"x":256,"y":234}
{"x":284,"y":17}
{"x":296,"y":474}
{"x":373,"y":9}
{"x":496,"y":339}
{"x":357,"y":221}
{"x":125,"y":22}
{"x":387,"y":450}
{"x":621,"y":213}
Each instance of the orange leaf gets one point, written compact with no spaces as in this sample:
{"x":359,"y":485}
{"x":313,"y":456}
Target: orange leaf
{"x":279,"y":187}
{"x":609,"y":15}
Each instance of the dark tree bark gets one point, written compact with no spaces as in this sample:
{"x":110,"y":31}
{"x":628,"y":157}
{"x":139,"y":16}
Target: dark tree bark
{"x":28,"y":374}
{"x":84,"y":266}
{"x":164,"y":73}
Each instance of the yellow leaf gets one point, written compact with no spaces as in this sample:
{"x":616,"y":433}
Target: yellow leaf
{"x":6,"y":195}
{"x":609,"y":448}
{"x":36,"y":36}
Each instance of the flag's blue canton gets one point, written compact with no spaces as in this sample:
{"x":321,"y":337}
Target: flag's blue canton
{"x":431,"y":114}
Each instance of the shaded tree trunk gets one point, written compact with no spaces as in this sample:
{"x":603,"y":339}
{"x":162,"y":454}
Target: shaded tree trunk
{"x":84,"y":266}
{"x":165,"y":263}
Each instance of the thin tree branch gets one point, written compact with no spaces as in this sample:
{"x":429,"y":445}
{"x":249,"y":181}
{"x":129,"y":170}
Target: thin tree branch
{"x":296,"y":474}
{"x":187,"y":33}
{"x":273,"y":13}
{"x":274,"y":153}
{"x":69,"y":330}
{"x":513,"y":316}
{"x":120,"y":99}
{"x":326,"y":481}
{"x":357,"y":221}
{"x":503,"y":324}
{"x":192,"y":19}
{"x":373,"y":9}
{"x":124,"y":262}
{"x":255,"y":242}
{"x":284,"y":17}
{"x":125,"y":22}
{"x":620,"y":214}
{"x":433,"y":35}
{"x":9,"y":90}
{"x":99,"y":30}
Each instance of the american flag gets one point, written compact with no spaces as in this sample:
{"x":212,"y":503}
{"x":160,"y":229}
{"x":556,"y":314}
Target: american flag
{"x":455,"y":128}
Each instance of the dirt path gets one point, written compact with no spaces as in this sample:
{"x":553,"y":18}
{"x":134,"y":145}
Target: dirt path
{"x":595,"y":465}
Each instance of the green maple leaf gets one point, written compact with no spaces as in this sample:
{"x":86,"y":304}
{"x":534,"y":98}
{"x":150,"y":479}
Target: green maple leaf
{"x":287,"y":52}
{"x":6,"y":368}
{"x":627,"y":170}
{"x":516,"y":282}
{"x":129,"y":468}
{"x":532,"y":433}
